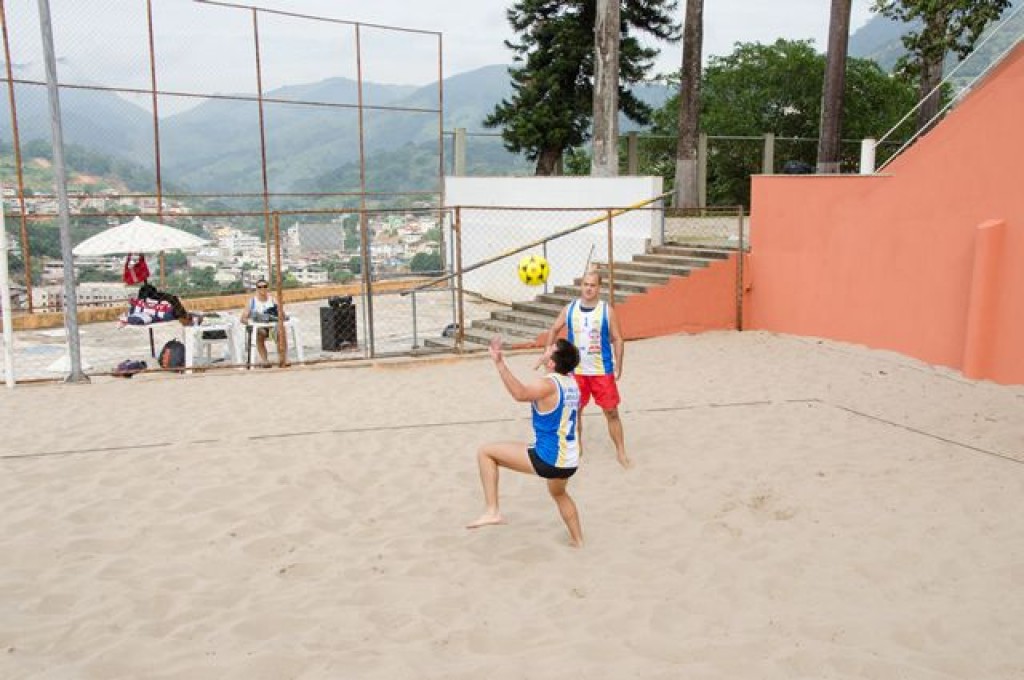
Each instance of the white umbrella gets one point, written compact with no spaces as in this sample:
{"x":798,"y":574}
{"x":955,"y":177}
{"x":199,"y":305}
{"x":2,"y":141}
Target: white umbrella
{"x":138,"y":236}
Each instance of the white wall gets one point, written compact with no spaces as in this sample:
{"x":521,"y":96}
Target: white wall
{"x":488,"y":231}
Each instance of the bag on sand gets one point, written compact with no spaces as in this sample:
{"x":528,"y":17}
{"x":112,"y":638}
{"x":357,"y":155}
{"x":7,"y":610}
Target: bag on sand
{"x":128,"y":368}
{"x":172,"y":355}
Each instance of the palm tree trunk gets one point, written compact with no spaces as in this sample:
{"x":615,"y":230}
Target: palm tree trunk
{"x":686,"y":189}
{"x":604,"y":161}
{"x":829,"y":134}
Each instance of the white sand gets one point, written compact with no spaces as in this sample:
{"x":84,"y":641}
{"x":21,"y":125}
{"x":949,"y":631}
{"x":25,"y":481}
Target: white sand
{"x":799,"y":509}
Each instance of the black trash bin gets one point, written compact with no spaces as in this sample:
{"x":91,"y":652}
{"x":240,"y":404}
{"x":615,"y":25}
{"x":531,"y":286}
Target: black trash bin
{"x":338,"y":324}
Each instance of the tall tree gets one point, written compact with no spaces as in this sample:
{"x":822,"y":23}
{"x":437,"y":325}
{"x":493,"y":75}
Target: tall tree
{"x":551,"y":106}
{"x":835,"y":81}
{"x":947,"y":26}
{"x":686,"y":187}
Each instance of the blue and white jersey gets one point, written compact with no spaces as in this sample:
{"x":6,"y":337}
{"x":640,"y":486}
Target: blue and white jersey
{"x":590,"y":331}
{"x":556,"y":442}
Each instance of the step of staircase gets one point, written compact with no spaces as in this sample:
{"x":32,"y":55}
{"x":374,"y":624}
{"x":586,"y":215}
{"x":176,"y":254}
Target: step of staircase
{"x":656,"y":272}
{"x":526,"y":319}
{"x":523,"y":321}
{"x":507,"y":329}
{"x":684,"y":250}
{"x":563,"y":295}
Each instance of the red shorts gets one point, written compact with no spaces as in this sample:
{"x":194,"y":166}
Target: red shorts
{"x":606,"y":393}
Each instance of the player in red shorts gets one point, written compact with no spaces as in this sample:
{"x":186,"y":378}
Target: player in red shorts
{"x":593,"y":327}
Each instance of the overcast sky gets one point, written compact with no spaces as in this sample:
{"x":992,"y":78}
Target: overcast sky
{"x":208,"y":47}
{"x":474,"y":31}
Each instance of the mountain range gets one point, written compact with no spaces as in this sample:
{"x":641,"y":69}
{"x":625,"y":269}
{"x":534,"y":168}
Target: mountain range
{"x":215,"y":146}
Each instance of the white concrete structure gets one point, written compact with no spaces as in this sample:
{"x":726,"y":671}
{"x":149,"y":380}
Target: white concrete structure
{"x":488,"y":231}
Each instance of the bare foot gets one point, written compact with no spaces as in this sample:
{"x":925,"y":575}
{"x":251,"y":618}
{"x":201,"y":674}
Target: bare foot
{"x":625,"y":462}
{"x":486,"y":519}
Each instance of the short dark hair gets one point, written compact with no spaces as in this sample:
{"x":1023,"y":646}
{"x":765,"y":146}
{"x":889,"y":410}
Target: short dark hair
{"x":565,"y":356}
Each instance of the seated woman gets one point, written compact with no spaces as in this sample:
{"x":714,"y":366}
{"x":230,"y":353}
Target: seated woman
{"x":262,"y":307}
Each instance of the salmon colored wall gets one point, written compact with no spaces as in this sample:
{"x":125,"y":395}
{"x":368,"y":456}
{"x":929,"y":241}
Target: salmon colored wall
{"x":926,"y":258}
{"x":703,"y":301}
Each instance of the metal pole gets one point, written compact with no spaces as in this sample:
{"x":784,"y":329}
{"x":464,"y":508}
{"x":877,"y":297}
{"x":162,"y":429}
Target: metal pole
{"x":739,"y":275}
{"x":544,"y":250}
{"x":415,"y":340}
{"x":267,"y":219}
{"x":460,"y":152}
{"x":440,"y":118}
{"x":5,"y":300}
{"x":611,"y":261}
{"x":363,"y":217}
{"x":282,"y":333}
{"x":156,"y":135}
{"x":768,"y":159}
{"x":633,"y":153}
{"x":26,"y":247}
{"x":460,"y":328}
{"x":702,"y":170}
{"x":61,"y":181}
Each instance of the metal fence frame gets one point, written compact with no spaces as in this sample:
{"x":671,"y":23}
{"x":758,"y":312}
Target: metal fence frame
{"x":153,"y":92}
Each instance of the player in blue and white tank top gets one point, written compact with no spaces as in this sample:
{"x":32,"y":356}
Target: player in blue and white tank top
{"x":554,"y":454}
{"x":591,"y":325}
{"x":556,"y":443}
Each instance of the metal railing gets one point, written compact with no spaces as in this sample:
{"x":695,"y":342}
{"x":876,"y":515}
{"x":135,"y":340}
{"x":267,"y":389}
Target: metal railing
{"x":980,"y":60}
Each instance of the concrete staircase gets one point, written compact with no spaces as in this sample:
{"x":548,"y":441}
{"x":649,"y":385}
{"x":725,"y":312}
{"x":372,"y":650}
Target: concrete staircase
{"x":521,"y":322}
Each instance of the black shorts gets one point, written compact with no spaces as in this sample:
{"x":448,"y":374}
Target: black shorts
{"x":548,"y":471}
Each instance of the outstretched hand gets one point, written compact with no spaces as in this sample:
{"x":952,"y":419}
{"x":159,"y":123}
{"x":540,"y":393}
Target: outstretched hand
{"x":495,"y":348}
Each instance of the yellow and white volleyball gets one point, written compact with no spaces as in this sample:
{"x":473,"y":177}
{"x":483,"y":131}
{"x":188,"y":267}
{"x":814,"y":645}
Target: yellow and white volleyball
{"x":533,"y":270}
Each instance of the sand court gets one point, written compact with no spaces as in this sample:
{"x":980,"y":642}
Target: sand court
{"x":799,"y":508}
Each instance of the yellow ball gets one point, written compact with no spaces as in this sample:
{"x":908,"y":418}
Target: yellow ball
{"x":533,"y":270}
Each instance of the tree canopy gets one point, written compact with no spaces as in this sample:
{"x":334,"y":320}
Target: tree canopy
{"x":777,"y":88}
{"x":947,"y":26}
{"x":551,"y":106}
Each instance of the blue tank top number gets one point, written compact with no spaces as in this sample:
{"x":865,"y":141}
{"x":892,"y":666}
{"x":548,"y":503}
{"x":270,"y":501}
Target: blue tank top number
{"x":571,"y":437}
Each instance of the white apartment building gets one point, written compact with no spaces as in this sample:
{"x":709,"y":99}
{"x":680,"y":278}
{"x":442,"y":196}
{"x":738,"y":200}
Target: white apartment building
{"x":97,"y":294}
{"x":238,"y":241}
{"x":309,"y":276}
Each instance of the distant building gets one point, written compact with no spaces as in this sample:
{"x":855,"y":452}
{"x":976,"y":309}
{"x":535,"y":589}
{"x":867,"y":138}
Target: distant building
{"x":311,"y":276}
{"x":53,"y":270}
{"x":237,"y":241}
{"x":226,"y":276}
{"x":312,"y":238}
{"x":97,"y":294}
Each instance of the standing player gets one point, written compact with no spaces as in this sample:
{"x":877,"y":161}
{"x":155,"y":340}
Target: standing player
{"x":594,"y":329}
{"x":554,"y":455}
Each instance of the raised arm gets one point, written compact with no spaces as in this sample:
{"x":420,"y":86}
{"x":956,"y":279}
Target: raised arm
{"x":536,"y":390}
{"x":553,"y":332}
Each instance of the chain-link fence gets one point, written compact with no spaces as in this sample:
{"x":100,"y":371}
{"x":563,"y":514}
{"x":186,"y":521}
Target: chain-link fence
{"x":343,"y":285}
{"x":149,"y":130}
{"x":724,"y":227}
